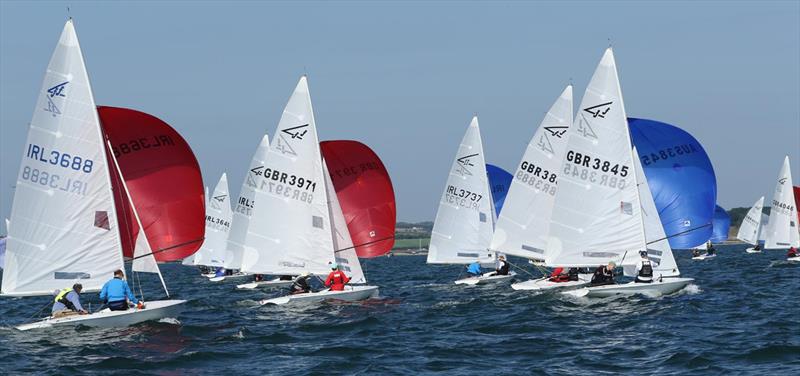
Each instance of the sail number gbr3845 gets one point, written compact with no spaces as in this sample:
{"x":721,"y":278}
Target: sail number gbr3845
{"x":595,"y":170}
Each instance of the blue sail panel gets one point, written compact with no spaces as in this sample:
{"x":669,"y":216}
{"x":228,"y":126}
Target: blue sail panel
{"x":721,"y":224}
{"x":499,"y":182}
{"x":681,"y":179}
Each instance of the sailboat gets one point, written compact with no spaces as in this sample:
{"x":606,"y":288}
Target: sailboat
{"x":464,"y":225}
{"x":297,"y":226}
{"x":65,"y":221}
{"x":781,"y":229}
{"x":751,"y":226}
{"x":218,"y":223}
{"x":603,"y":209}
{"x":523,"y":225}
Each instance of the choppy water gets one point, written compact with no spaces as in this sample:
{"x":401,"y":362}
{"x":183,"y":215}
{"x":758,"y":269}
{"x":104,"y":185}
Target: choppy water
{"x":740,"y":317}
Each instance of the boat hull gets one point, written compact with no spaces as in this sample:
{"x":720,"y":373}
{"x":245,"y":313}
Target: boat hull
{"x":545,"y":285}
{"x":704,"y":257}
{"x":230,"y":277}
{"x":349,"y":294}
{"x":107,"y":318}
{"x":486,"y":279}
{"x":793,"y":259}
{"x":667,"y":286}
{"x":751,"y":250}
{"x":271,"y":284}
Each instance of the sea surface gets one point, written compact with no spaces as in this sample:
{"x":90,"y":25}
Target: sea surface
{"x":741,"y":316}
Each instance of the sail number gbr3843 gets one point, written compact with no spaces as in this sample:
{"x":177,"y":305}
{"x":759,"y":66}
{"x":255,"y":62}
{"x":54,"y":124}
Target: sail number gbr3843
{"x":595,"y":170}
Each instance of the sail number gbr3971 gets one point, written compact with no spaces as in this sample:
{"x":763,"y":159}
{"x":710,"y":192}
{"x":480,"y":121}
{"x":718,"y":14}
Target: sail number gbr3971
{"x":287,"y":185}
{"x":595,"y":170}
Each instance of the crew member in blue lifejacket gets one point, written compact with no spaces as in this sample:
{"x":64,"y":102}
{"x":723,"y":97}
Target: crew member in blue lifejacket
{"x":644,"y":269}
{"x":474,"y":269}
{"x":68,"y":302}
{"x":116,"y":294}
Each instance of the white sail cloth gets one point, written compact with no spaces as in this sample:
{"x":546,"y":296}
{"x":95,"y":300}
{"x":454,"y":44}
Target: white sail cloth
{"x":243,"y":207}
{"x":462,"y":230}
{"x":218,"y":224}
{"x":751,"y":224}
{"x":65,"y":224}
{"x":781,"y":230}
{"x":597,"y":212}
{"x":525,"y":220}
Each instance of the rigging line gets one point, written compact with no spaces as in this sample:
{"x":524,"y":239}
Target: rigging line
{"x":680,"y":233}
{"x":522,"y":269}
{"x":367,"y":243}
{"x":167,"y":249}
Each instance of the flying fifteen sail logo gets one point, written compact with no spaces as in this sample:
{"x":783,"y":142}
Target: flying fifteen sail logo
{"x":599,"y":110}
{"x":294,"y":133}
{"x":782,"y":180}
{"x":55,"y":91}
{"x":464,"y":163}
{"x":217,"y":201}
{"x":544,"y":140}
{"x":255,"y":171}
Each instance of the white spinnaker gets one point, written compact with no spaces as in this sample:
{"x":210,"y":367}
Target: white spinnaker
{"x":783,"y":213}
{"x":751,"y":224}
{"x":344,"y":251}
{"x":597,"y":214}
{"x":462,"y":230}
{"x":289,"y":231}
{"x":218,"y":224}
{"x":65,"y":224}
{"x":524,"y":222}
{"x":243,"y":207}
{"x":658,"y":249}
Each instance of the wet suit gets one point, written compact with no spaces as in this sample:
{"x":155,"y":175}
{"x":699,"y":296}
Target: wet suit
{"x":602,"y":276}
{"x":300,"y":286}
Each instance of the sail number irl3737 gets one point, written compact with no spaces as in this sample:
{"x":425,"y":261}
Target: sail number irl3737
{"x":48,"y":178}
{"x":462,"y":197}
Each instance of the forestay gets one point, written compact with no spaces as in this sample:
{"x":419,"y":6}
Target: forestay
{"x":463,"y":226}
{"x":782,"y":227}
{"x":524,"y":223}
{"x":289,"y":230}
{"x":218,"y":224}
{"x":597,"y":214}
{"x":751,"y":224}
{"x":658,"y":248}
{"x":65,"y":225}
{"x":243,"y":207}
{"x":344,"y":251}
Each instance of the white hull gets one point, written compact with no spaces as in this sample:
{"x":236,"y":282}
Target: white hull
{"x":230,"y":277}
{"x":350,"y":294}
{"x":486,"y":279}
{"x":545,"y":285}
{"x":751,"y":250}
{"x":704,"y":257}
{"x":667,"y":286}
{"x":154,"y":310}
{"x":271,"y":284}
{"x":793,"y":259}
{"x":209,"y":275}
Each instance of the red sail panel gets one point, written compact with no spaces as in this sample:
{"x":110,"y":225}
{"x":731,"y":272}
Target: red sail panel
{"x":164,"y":180}
{"x":797,"y":201}
{"x":365,"y":193}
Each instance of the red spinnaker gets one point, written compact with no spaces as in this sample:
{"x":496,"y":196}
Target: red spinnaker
{"x":365,"y":193}
{"x":164,"y":180}
{"x":797,"y":201}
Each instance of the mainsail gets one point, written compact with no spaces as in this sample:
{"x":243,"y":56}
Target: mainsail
{"x":218,"y":224}
{"x":781,"y":230}
{"x":65,"y":224}
{"x":523,"y":226}
{"x":243,"y":207}
{"x":597,"y":214}
{"x":751,"y":224}
{"x":463,"y":226}
{"x":289,"y":231}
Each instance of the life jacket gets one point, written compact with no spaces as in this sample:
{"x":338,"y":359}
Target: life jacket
{"x":62,"y":298}
{"x":646,"y":272}
{"x":572,"y":274}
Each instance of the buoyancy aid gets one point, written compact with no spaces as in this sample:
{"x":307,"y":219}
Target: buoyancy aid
{"x":62,"y":298}
{"x":646,"y":272}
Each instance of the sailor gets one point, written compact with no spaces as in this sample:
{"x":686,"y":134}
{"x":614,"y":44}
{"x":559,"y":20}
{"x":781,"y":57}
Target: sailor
{"x":559,"y":275}
{"x":300,"y":285}
{"x":572,"y":274}
{"x":336,"y":279}
{"x":68,"y":302}
{"x":792,"y":253}
{"x":644,"y":269}
{"x":258,"y":277}
{"x":604,"y":274}
{"x":757,"y":247}
{"x":710,"y":251}
{"x":474,"y":269}
{"x":116,"y":294}
{"x":695,"y":253}
{"x":502,"y":266}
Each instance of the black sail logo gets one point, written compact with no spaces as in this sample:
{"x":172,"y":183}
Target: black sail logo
{"x":600,"y":110}
{"x":218,"y":201}
{"x":782,"y":180}
{"x":544,"y":141}
{"x":293,"y":133}
{"x":464,"y":163}
{"x":255,"y":171}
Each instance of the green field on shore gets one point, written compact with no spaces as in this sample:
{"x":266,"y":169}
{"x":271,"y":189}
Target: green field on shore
{"x":411,"y":243}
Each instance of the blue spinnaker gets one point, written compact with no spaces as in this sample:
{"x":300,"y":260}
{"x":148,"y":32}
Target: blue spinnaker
{"x":499,"y":182}
{"x":721,"y":225}
{"x":681,"y":179}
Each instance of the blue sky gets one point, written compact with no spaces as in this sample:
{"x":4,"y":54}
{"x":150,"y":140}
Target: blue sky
{"x":405,"y":78}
